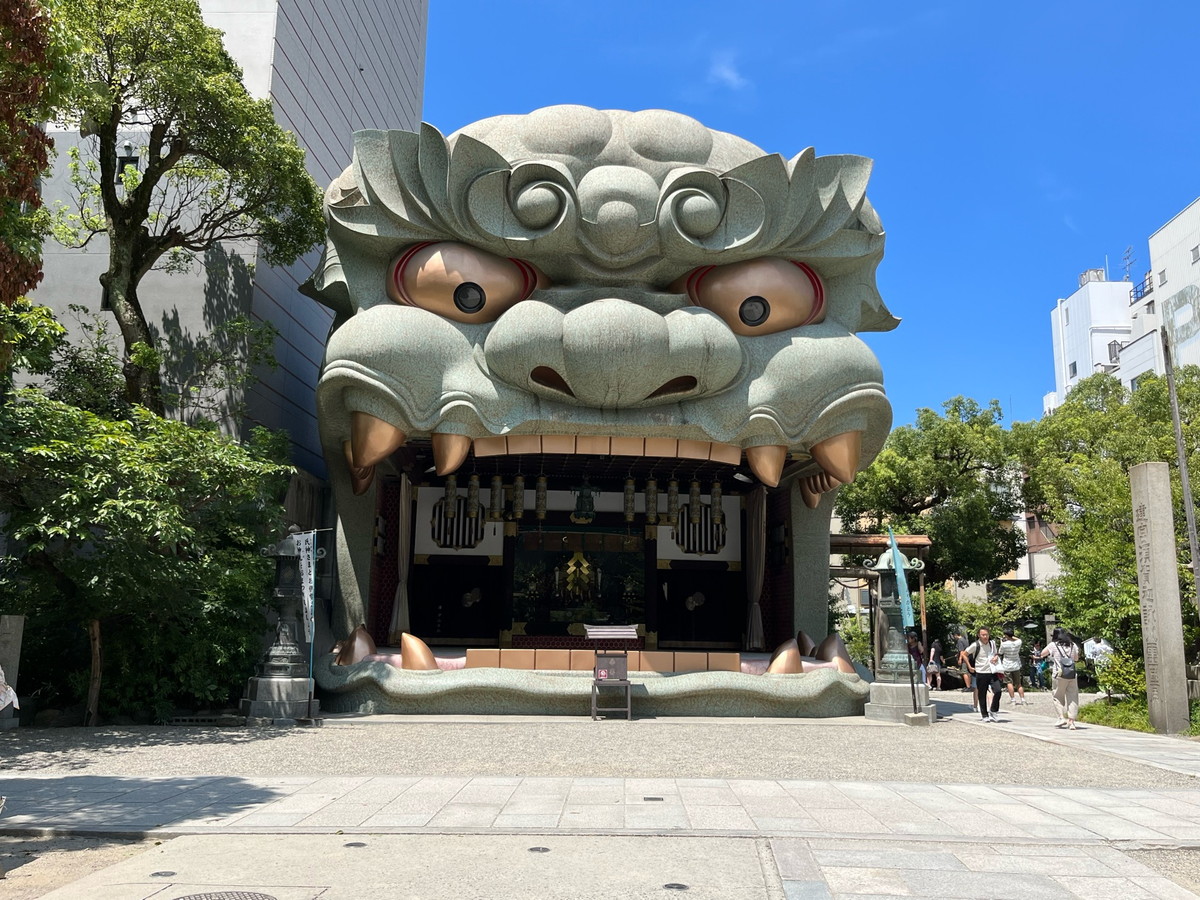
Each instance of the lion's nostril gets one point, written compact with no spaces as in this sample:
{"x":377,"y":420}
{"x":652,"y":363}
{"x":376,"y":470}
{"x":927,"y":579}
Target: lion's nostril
{"x":680,"y":385}
{"x":547,"y":377}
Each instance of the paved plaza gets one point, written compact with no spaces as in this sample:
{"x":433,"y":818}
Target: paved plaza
{"x":498,"y":807}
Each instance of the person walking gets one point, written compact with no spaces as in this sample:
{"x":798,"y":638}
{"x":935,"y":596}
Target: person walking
{"x":934,"y":665}
{"x":1063,"y":654}
{"x":1010,"y":661}
{"x":1036,"y":666}
{"x":917,"y":652}
{"x":960,"y":645}
{"x":982,"y":658}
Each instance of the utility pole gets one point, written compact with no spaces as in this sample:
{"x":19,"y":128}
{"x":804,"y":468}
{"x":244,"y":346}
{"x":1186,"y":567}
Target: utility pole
{"x":1189,"y":508}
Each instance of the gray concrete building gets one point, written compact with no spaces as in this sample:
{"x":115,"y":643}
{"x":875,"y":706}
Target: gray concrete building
{"x":330,"y":67}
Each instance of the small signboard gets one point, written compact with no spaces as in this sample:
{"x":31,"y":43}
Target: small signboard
{"x":612,"y":666}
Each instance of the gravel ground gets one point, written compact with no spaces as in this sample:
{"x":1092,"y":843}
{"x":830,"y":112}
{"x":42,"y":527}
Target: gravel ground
{"x":31,"y":867}
{"x":845,"y":749}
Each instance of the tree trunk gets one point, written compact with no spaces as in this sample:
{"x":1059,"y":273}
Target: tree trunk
{"x":143,"y":383}
{"x":92,"y":717}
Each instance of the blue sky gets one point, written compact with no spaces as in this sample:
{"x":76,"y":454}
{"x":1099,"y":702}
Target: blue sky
{"x":1015,"y":145}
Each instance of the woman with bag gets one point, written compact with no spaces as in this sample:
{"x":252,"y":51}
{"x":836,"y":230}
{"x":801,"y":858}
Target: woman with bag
{"x":1063,"y":654}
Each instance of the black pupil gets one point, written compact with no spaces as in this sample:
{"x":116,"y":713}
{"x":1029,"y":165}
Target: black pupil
{"x":754,"y":310}
{"x":469,"y":297}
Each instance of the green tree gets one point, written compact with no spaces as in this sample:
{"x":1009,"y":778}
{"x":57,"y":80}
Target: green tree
{"x":1077,"y":460}
{"x":144,"y":532}
{"x":953,"y":477}
{"x":34,"y":71}
{"x":213,"y":165}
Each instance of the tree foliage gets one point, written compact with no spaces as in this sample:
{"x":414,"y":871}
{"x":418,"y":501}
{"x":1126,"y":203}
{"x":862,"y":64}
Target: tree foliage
{"x":146,"y":529}
{"x":212,"y":166}
{"x":1078,"y":459}
{"x":34,"y":54}
{"x":950,"y":476}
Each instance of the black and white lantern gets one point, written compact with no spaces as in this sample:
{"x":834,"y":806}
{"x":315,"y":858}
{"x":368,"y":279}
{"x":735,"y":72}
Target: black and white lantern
{"x":651,"y":502}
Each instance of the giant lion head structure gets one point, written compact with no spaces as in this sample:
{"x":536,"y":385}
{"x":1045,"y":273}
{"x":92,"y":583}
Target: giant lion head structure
{"x":578,"y":280}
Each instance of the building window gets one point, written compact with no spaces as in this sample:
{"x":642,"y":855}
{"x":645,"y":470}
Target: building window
{"x":1071,"y":370}
{"x":1196,"y":253}
{"x":1114,"y":351}
{"x":1162,"y":277}
{"x":1066,"y":316}
{"x":1149,"y":309}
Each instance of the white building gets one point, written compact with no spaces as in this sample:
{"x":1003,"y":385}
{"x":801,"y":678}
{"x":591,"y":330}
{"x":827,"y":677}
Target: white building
{"x":1088,"y":329}
{"x":1115,"y":327}
{"x":330,"y":67}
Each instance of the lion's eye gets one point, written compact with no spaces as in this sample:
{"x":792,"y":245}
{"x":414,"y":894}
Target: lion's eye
{"x":759,"y":296}
{"x":461,"y":282}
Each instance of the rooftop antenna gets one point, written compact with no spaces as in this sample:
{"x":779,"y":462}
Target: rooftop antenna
{"x":1127,"y":261}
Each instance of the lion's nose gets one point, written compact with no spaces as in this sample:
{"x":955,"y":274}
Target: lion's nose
{"x":612,"y":353}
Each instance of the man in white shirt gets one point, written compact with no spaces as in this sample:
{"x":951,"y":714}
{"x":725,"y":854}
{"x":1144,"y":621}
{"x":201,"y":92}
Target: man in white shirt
{"x":982,"y":658}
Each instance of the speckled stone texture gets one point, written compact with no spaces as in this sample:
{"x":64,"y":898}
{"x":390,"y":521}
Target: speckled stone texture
{"x":614,"y":208}
{"x":376,"y":687}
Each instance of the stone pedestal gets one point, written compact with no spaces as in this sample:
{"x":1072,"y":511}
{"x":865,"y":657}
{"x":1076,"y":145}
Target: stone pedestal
{"x":278,"y":698}
{"x":893,"y":703}
{"x":1158,"y":590}
{"x":11,"y":630}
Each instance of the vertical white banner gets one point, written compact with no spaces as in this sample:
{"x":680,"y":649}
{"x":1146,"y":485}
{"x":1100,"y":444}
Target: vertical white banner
{"x":305,"y":549}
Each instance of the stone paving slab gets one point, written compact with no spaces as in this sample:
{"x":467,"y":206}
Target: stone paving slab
{"x":750,"y":807}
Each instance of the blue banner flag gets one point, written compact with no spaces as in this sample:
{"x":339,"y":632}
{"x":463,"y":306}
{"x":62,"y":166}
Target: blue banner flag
{"x":906,"y":610}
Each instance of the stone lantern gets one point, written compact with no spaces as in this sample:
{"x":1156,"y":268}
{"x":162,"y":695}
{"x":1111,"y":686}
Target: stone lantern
{"x":896,"y":695}
{"x":281,"y":689}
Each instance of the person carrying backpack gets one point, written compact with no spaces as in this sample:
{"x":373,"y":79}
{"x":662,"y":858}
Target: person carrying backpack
{"x":1063,"y":654}
{"x":982,"y":657}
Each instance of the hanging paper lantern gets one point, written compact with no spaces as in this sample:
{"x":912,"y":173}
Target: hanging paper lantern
{"x":694,"y":503}
{"x":539,"y":498}
{"x":450,"y":507}
{"x":714,"y":502}
{"x":496,"y":504}
{"x":518,"y":498}
{"x":672,"y":502}
{"x":473,"y":497}
{"x":630,"y":498}
{"x":651,"y":502}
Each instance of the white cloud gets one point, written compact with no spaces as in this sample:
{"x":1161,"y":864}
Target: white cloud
{"x":723,"y":71}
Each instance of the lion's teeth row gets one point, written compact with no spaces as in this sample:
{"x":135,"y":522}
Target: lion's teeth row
{"x":372,"y":440}
{"x":595,"y":445}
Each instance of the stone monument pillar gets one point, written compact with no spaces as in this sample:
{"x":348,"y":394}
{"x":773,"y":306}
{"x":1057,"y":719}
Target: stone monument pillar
{"x":1158,"y":589}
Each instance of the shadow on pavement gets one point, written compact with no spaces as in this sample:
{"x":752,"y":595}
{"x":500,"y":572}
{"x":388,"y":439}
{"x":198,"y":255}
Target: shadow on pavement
{"x":34,"y":749}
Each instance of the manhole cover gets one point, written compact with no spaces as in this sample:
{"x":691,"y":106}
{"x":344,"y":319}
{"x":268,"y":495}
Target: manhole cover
{"x":229,"y":895}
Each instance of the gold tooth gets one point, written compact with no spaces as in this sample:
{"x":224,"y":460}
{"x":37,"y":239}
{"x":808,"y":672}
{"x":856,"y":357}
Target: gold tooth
{"x":628,"y":446}
{"x":839,"y":455}
{"x":593,"y":444}
{"x":524,"y":443}
{"x":372,"y":440}
{"x":811,"y":497}
{"x":360,"y":476}
{"x":449,"y":451}
{"x":766,"y":462}
{"x":558,"y":443}
{"x":730,"y":454}
{"x":662,"y":447}
{"x":491,"y":446}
